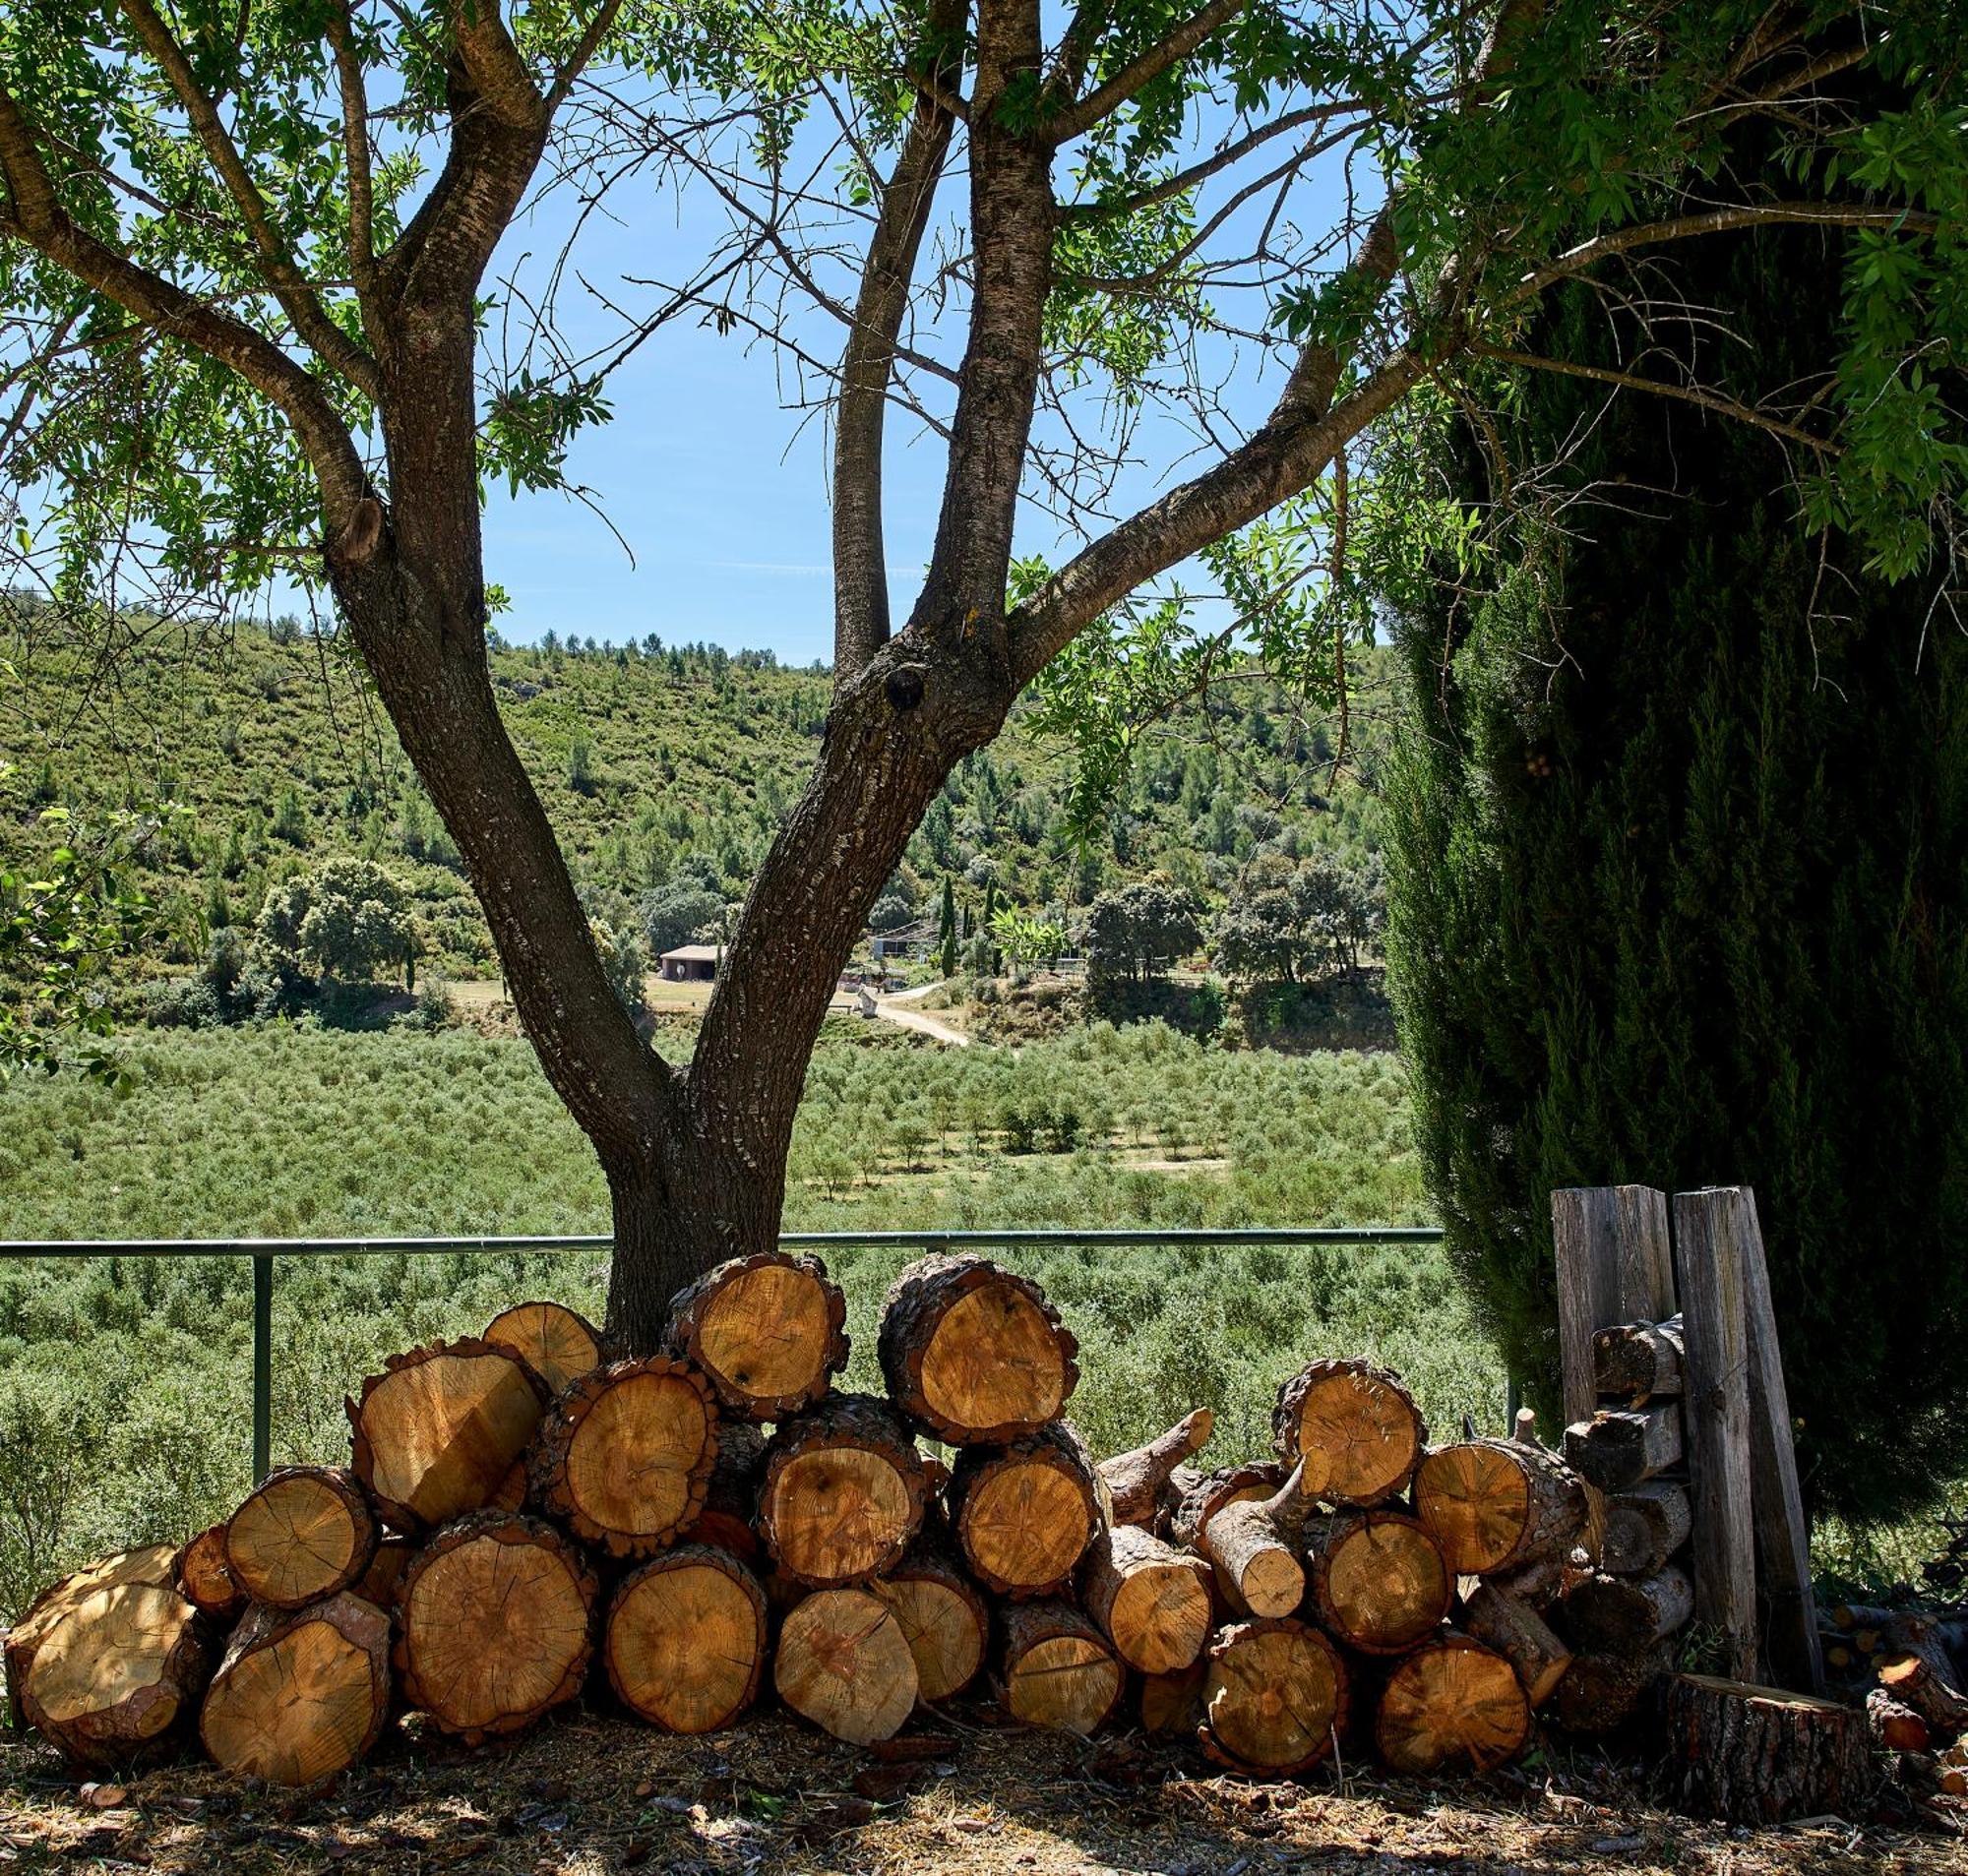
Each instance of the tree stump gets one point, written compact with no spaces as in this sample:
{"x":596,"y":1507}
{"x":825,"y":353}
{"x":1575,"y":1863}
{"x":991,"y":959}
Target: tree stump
{"x":731,"y":1495}
{"x":975,"y":1355}
{"x":843,"y":1492}
{"x":1253,"y":1543}
{"x":1627,"y":1614}
{"x":496,"y":1616}
{"x":301,"y":1694}
{"x":1275,"y":1696}
{"x":1205,"y":1495}
{"x":1356,"y":1429}
{"x":943,"y":1617}
{"x":687,"y":1639}
{"x":435,"y":1433}
{"x":1601,"y":1693}
{"x":1152,"y":1603}
{"x":1641,"y":1529}
{"x":1505,"y":1622}
{"x":1024,"y":1515}
{"x":1453,"y":1704}
{"x":625,"y":1455}
{"x":1057,"y":1670}
{"x":151,"y":1566}
{"x":1377,"y":1580}
{"x":768,"y":1331}
{"x":1498,"y":1505}
{"x":307,"y":1532}
{"x":1138,"y":1480}
{"x":1757,"y":1755}
{"x":204,"y":1577}
{"x":560,"y":1345}
{"x":845,"y":1664}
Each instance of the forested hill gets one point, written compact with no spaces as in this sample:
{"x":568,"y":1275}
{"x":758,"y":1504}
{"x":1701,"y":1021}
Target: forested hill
{"x":665,"y":770}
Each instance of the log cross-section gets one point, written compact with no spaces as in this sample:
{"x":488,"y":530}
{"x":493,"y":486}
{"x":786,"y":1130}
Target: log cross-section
{"x":1453,"y":1704}
{"x":1151,"y":1602}
{"x":1274,"y":1698}
{"x":845,"y":1664}
{"x":305,"y":1532}
{"x":1025,"y":1514}
{"x":768,"y":1330}
{"x":560,"y":1344}
{"x":1497,"y":1506}
{"x":1636,"y":1361}
{"x":843,"y":1492}
{"x":1057,"y":1668}
{"x":686,"y":1639}
{"x":1377,"y":1580}
{"x":944,"y":1618}
{"x":1254,"y":1543}
{"x":1623,"y":1447}
{"x":1353,"y":1426}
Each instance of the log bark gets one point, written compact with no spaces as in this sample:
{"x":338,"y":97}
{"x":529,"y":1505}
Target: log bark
{"x":1204,"y":1496}
{"x":1894,"y":1726}
{"x":625,"y":1455}
{"x":1451,"y":1705}
{"x":496,"y":1625}
{"x":1171,"y":1705}
{"x":1498,"y":1505}
{"x":975,"y":1355}
{"x":944,"y":1618}
{"x":1276,"y":1697}
{"x":845,"y":1664}
{"x":843,"y":1492}
{"x":206,"y":1579}
{"x":1356,"y":1429}
{"x":150,"y":1565}
{"x":306,"y":1532}
{"x":1642,"y":1527}
{"x":1379,"y":1581}
{"x":1757,"y":1755}
{"x":1601,"y":1693}
{"x":1516,"y":1631}
{"x":1138,"y":1480}
{"x":382,"y":1581}
{"x":437,"y":1432}
{"x":1253,"y":1543}
{"x":1924,"y":1678}
{"x":1620,"y":1448}
{"x":1025,"y":1514}
{"x":301,"y":1694}
{"x":768,"y":1331}
{"x":685,"y":1640}
{"x":1151,"y":1602}
{"x":731,"y":1495}
{"x":1627,"y":1614}
{"x":559,"y":1344}
{"x":1057,"y":1668}
{"x":1638,"y":1361}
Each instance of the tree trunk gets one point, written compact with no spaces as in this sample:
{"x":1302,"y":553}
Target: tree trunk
{"x":1757,"y":1755}
{"x":1152,"y":1603}
{"x":1516,"y":1631}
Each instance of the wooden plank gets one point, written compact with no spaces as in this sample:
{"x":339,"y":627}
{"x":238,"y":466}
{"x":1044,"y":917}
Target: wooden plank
{"x":1710,"y":1226}
{"x":1783,"y":1537}
{"x":1584,"y":1231}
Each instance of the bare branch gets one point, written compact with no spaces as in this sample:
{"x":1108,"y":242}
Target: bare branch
{"x":1200,"y":172}
{"x":1104,"y":99}
{"x":577,"y":60}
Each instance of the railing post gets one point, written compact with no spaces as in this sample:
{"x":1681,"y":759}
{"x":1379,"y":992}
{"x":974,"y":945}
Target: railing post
{"x":262,"y":1365}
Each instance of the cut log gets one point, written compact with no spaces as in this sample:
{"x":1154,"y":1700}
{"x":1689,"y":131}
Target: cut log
{"x":204,"y":1578}
{"x":150,"y":1567}
{"x":973,"y":1354}
{"x":496,"y":1618}
{"x":768,"y":1330}
{"x":942,"y":1616}
{"x":1057,"y":1670}
{"x":687,"y":1641}
{"x":513,"y":1488}
{"x":1894,"y":1726}
{"x":1627,"y":1614}
{"x":1379,"y":1581}
{"x":1517,"y":1632}
{"x":625,"y":1455}
{"x":1645,"y":1526}
{"x":559,"y":1344}
{"x":1601,"y":1693}
{"x":843,"y":1492}
{"x":437,"y":1432}
{"x":382,"y":1580}
{"x":306,"y":1532}
{"x":1172,"y":1703}
{"x":731,"y":1495}
{"x":301,"y":1694}
{"x":1924,"y":1678}
{"x":1151,"y":1602}
{"x":1204,"y":1496}
{"x":1355,"y":1426}
{"x":1619,"y":1448}
{"x":1254,"y":1543}
{"x":1138,"y":1480}
{"x":1497,"y":1506}
{"x":1638,"y":1361}
{"x":1025,"y":1515}
{"x":1453,"y":1704}
{"x":1276,"y":1697}
{"x":1757,"y":1755}
{"x":845,"y":1664}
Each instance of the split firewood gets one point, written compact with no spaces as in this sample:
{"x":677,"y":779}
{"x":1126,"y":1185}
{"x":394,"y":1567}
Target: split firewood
{"x":1642,"y":1527}
{"x":437,"y":1432}
{"x":843,"y":1492}
{"x":1638,"y":1361}
{"x":1138,"y":1480}
{"x":1626,"y":1614}
{"x":1379,"y":1581}
{"x":1451,"y":1704}
{"x":496,"y":1615}
{"x":1616,"y":1450}
{"x":559,"y":1344}
{"x":973,"y":1354}
{"x":1759,"y":1756}
{"x":686,"y":1639}
{"x":944,"y":1618}
{"x":1274,"y":1698}
{"x":768,"y":1330}
{"x":1151,"y":1602}
{"x":150,"y":1566}
{"x":1057,"y":1668}
{"x":1924,"y":1678}
{"x":1205,"y":1494}
{"x":1894,"y":1726}
{"x":301,"y":1694}
{"x":1355,"y":1428}
{"x":845,"y":1664}
{"x":1497,"y":1620}
{"x":1171,"y":1705}
{"x":1498,"y":1505}
{"x":204,"y":1578}
{"x":1254,"y":1543}
{"x":307,"y":1532}
{"x":624,"y":1454}
{"x":731,"y":1494}
{"x":1025,"y":1514}
{"x":1602,"y":1692}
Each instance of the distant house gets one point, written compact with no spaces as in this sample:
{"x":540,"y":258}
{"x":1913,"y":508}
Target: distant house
{"x":690,"y":964}
{"x":910,"y":941}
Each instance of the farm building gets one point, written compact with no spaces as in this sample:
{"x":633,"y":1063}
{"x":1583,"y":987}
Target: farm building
{"x":692,"y":963}
{"x":909,"y":941}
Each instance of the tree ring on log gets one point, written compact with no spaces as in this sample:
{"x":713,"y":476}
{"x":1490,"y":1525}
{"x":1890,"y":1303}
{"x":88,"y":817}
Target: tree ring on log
{"x":1356,"y":1428}
{"x":844,"y":1492}
{"x":305,"y":1532}
{"x":1379,"y":1582}
{"x":1026,"y":1515}
{"x":687,"y":1639}
{"x":560,"y":1344}
{"x":1452,"y":1702}
{"x":1275,"y":1696}
{"x":768,"y":1330}
{"x":843,"y":1663}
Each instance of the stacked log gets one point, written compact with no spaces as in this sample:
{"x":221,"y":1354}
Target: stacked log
{"x":685,"y":1640}
{"x":768,"y":1332}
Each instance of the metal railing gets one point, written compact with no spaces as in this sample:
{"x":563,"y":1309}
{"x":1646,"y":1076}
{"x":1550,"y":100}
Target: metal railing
{"x":265,"y":1252}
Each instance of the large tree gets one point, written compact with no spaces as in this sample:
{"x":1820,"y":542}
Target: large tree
{"x":249,"y":252}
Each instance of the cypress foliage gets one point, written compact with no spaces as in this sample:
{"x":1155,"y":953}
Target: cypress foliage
{"x":1679,"y":873}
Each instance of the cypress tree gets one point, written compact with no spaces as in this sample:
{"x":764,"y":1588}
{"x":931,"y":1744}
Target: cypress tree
{"x":945,"y":928}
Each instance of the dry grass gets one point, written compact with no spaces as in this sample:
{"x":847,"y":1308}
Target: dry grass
{"x":588,"y":1796}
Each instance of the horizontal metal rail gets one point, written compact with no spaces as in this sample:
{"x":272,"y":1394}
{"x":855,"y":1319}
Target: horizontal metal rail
{"x":264,"y":1252}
